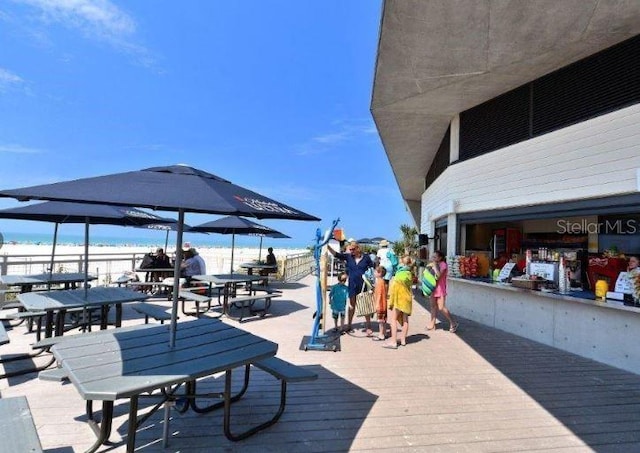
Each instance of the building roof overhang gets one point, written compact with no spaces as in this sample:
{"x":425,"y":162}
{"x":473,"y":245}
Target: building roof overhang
{"x":437,"y":58}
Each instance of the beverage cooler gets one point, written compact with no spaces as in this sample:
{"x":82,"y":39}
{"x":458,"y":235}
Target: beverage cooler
{"x":505,"y":242}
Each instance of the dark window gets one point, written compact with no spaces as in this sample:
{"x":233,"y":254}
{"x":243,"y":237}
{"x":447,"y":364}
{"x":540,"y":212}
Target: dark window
{"x":495,"y":124}
{"x":603,"y":82}
{"x":440,"y":161}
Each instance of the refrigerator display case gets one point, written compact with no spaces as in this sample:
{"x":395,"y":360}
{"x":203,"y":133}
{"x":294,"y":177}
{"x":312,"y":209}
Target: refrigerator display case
{"x":505,"y":242}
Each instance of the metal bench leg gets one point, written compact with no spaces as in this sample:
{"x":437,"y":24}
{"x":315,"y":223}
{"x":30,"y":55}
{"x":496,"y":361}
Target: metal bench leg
{"x":133,"y":424}
{"x":192,"y":394}
{"x":103,"y":430}
{"x":252,"y":431}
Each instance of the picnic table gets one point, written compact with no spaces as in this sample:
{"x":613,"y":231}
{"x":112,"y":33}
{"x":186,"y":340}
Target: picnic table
{"x":149,"y":273}
{"x":122,"y":363}
{"x":26,"y":282}
{"x":58,"y":302}
{"x":260,"y":267}
{"x":230,"y":281}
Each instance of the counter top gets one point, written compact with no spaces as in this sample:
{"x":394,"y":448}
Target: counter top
{"x":583,"y":297}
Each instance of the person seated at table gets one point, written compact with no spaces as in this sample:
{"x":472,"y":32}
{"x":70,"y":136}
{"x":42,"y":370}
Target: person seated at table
{"x":271,"y":261}
{"x":161,"y":261}
{"x":193,"y":264}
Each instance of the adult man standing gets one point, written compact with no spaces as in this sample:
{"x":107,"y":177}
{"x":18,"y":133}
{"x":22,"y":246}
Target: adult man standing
{"x":388,"y":259}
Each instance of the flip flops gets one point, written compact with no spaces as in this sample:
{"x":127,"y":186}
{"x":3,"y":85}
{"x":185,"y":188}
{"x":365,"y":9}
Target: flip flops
{"x":378,"y":338}
{"x":390,"y":346}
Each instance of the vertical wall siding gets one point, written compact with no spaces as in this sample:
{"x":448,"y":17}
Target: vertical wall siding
{"x":595,"y":158}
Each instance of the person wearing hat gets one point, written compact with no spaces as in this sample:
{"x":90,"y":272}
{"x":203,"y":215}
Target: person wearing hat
{"x":193,"y":264}
{"x":388,"y":259}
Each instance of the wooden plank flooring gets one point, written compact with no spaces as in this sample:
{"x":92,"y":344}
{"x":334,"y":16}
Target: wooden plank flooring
{"x":480,"y":390}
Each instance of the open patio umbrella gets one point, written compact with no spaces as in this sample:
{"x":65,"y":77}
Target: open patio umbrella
{"x":237,"y":225}
{"x":174,"y":188}
{"x":167,"y":227}
{"x":65,"y":212}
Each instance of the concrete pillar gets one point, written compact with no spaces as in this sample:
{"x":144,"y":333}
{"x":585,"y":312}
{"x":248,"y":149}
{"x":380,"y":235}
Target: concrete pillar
{"x":454,"y":139}
{"x":452,"y":233}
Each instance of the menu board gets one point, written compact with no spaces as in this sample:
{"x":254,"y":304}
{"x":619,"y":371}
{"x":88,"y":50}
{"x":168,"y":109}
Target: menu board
{"x":505,"y":271}
{"x":623,"y":284}
{"x":548,"y":271}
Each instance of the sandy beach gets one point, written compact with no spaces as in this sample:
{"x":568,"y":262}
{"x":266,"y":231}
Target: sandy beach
{"x":109,"y":262}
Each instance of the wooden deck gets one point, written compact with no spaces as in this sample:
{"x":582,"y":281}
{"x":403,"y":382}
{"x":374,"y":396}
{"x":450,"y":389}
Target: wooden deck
{"x":480,"y":390}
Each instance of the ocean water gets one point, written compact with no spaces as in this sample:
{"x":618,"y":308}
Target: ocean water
{"x":153,"y":240}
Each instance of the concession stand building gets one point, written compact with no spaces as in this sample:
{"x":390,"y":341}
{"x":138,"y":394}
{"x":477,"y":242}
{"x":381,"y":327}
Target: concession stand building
{"x":513,"y":130}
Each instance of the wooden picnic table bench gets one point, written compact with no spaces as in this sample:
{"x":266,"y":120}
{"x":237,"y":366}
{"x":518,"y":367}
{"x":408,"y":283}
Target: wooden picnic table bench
{"x":17,"y":431}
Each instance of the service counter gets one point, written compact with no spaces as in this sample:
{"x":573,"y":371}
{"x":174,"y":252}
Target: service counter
{"x":608,"y":332}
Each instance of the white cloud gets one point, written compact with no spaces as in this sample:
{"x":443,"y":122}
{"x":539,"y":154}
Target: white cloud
{"x":9,"y":80}
{"x":99,"y":20}
{"x":18,"y":149}
{"x":344,"y":131}
{"x":331,"y":138}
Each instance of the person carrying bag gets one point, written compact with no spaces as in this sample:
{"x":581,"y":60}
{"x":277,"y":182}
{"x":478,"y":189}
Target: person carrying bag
{"x":365,"y":305}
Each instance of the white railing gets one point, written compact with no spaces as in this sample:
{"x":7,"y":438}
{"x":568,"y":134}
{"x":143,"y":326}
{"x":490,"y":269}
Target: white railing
{"x":295,"y":267}
{"x":106,"y":267}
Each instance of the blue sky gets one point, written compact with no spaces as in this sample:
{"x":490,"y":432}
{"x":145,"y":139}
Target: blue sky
{"x":271,"y":95}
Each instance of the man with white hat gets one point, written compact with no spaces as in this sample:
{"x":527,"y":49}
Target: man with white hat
{"x":387,"y":259}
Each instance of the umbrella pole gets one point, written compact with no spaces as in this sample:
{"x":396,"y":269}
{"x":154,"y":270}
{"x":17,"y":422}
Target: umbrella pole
{"x":176,"y":281}
{"x":166,"y":242}
{"x":260,"y":250}
{"x":53,"y":254}
{"x":86,"y":256}
{"x":233,"y":242}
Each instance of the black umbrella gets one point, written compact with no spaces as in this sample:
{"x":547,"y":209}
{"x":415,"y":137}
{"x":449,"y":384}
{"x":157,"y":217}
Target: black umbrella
{"x":174,"y":188}
{"x":65,"y":212}
{"x":166,"y":227}
{"x":237,"y":225}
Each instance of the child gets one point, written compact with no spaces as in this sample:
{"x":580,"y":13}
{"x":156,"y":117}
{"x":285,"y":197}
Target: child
{"x":338,"y":301}
{"x":401,"y":302}
{"x":439,"y":295}
{"x":380,"y":299}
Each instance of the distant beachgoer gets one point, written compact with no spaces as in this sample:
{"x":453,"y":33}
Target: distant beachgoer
{"x":270,"y":261}
{"x":388,"y":259}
